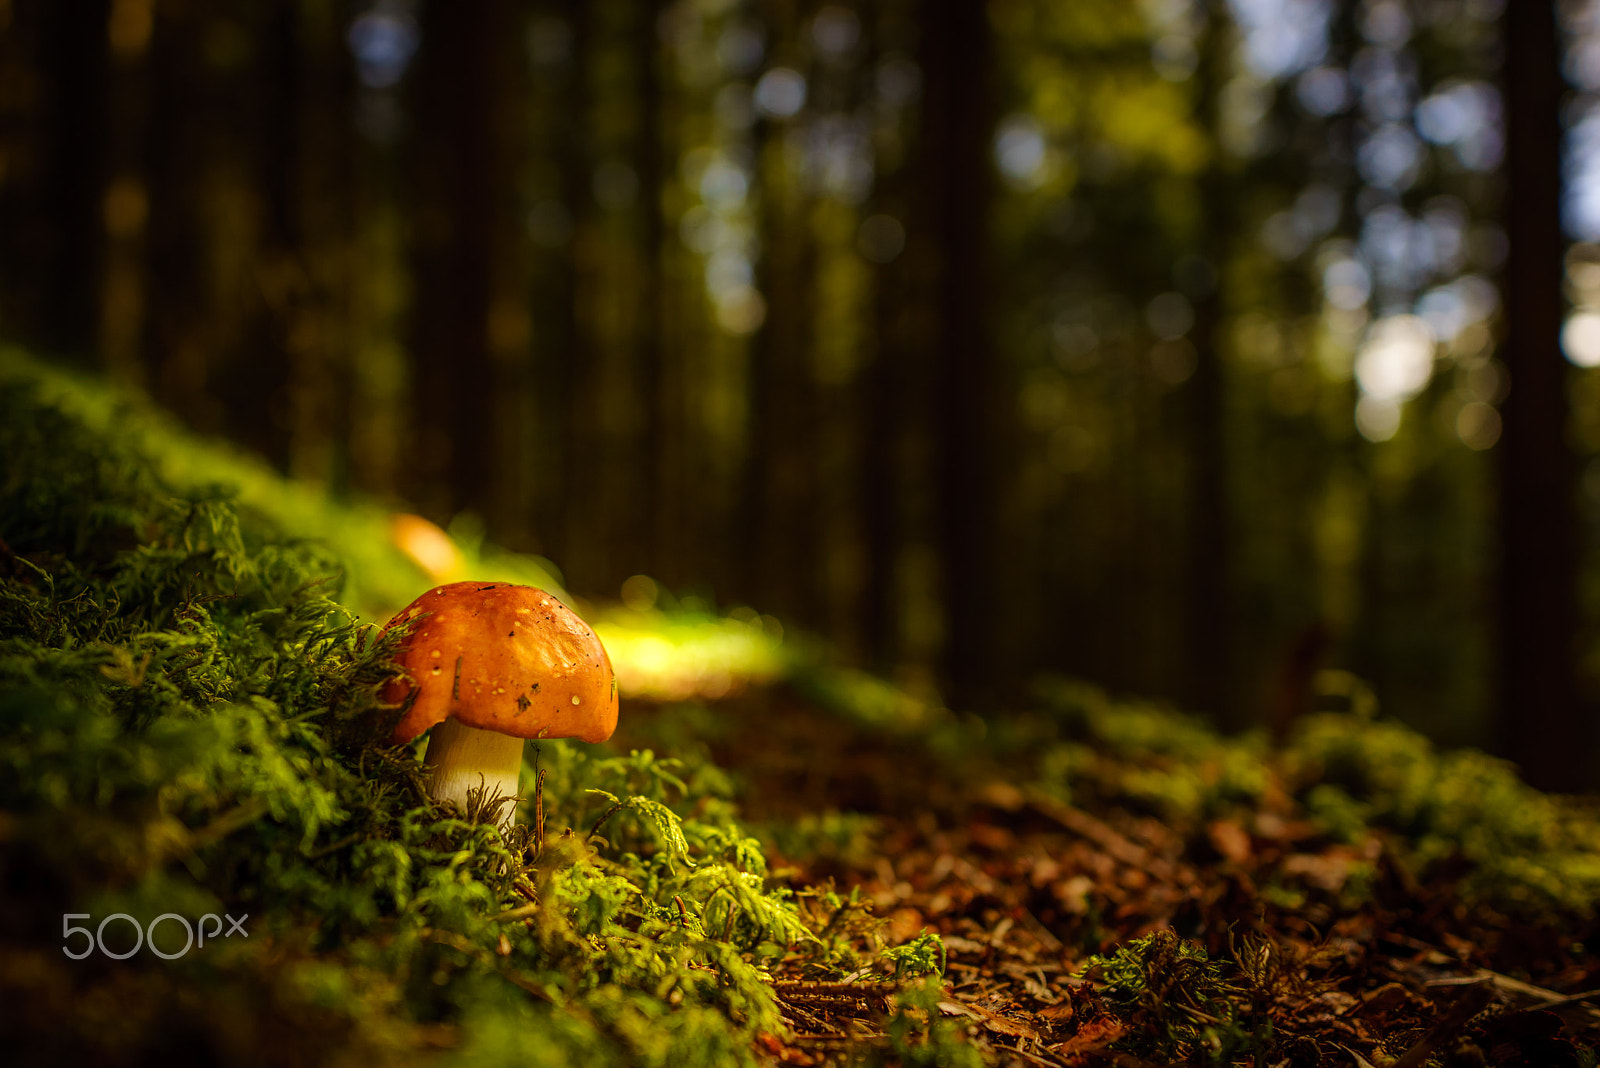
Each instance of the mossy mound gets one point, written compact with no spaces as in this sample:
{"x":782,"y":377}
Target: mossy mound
{"x":191,"y":742}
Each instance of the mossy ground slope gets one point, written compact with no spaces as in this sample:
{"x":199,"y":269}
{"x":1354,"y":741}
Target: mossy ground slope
{"x":189,"y":728}
{"x":776,"y":860}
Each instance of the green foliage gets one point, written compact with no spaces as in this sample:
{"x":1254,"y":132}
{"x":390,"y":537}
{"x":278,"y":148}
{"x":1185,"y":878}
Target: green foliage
{"x":1526,"y":852}
{"x":189,"y":724}
{"x":920,"y":1036}
{"x":1180,"y":1004}
{"x":863,"y":698}
{"x":1529,"y":852}
{"x":923,"y":955}
{"x":1146,"y":755}
{"x":845,"y":836}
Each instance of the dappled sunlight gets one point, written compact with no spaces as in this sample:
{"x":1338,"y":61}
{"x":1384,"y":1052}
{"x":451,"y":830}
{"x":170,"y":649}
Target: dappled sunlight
{"x":678,"y":656}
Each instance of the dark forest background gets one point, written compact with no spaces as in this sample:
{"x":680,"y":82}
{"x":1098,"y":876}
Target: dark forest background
{"x":1230,"y":352}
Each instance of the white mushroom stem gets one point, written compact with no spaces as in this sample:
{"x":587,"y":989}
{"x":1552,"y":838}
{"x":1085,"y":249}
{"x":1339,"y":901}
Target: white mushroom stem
{"x":466,"y":759}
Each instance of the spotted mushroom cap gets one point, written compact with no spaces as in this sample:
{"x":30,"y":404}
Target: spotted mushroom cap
{"x":504,"y":658}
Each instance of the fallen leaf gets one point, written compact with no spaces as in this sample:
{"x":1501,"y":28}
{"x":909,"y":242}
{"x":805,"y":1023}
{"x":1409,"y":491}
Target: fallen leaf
{"x":1230,"y":839}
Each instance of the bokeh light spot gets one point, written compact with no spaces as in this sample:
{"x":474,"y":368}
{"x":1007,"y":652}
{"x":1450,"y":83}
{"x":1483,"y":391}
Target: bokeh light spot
{"x":1020,"y":151}
{"x":881,"y":238}
{"x":781,"y":93}
{"x":1478,"y":425}
{"x":1396,"y":360}
{"x":1580,"y":338}
{"x":1377,"y":418}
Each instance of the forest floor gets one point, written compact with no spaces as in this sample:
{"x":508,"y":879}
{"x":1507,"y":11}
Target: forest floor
{"x":800,"y":864}
{"x":1023,"y":889}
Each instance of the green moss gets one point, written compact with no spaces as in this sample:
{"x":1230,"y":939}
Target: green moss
{"x":1528,"y":852}
{"x":1179,"y":1004}
{"x":120,"y":451}
{"x":1523,"y":852}
{"x":189,"y":725}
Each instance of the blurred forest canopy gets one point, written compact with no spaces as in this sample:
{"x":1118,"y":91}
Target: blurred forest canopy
{"x":1166,"y":344}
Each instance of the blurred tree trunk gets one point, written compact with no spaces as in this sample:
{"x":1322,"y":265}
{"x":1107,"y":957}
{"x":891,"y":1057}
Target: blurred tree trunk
{"x":322,"y":228}
{"x":887,"y":381}
{"x":652,"y":446}
{"x":179,"y":334}
{"x":252,"y":373}
{"x":887,"y":389}
{"x":455,"y":160}
{"x":575,"y":354}
{"x":957,"y":124}
{"x":779,"y":492}
{"x":558,"y":220}
{"x":1541,"y":724}
{"x":124,"y":280}
{"x":1209,"y":621}
{"x":61,"y":240}
{"x":779,"y":495}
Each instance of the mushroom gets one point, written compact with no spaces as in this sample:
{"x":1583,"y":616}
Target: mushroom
{"x":487,"y":665}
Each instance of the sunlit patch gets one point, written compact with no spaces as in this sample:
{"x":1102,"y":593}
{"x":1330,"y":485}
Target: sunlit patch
{"x":1394,"y":364}
{"x":1396,"y":360}
{"x":675,"y":656}
{"x":1580,"y":338}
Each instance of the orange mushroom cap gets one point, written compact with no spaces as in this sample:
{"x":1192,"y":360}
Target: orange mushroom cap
{"x":503,"y":658}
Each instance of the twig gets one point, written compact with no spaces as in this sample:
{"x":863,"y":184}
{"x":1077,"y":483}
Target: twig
{"x":1361,"y":1062}
{"x":810,"y":1019}
{"x":803,"y":989}
{"x":1032,"y":1058}
{"x":843,"y":1041}
{"x":1572,"y":1000}
{"x":1542,"y":997}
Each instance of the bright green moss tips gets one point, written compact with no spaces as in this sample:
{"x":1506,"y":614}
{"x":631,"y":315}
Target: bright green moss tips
{"x":923,"y":955}
{"x":1180,"y":1005}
